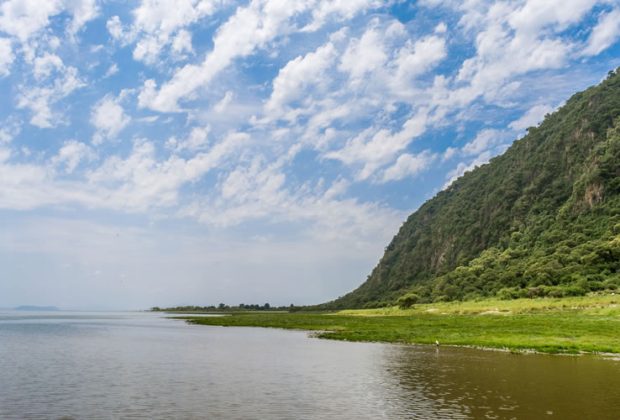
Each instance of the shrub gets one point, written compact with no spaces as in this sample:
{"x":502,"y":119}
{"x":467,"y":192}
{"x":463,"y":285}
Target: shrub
{"x":408,"y":300}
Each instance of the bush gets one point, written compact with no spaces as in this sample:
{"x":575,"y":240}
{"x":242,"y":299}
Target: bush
{"x":509,"y":293}
{"x":595,"y":285}
{"x":574,"y":290}
{"x":408,"y":300}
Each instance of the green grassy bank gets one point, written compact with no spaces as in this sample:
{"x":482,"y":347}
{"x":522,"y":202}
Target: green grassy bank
{"x":571,"y":325}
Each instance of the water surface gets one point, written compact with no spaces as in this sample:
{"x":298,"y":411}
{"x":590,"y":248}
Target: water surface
{"x":141,"y":365}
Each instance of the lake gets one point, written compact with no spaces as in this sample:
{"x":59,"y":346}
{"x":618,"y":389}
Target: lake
{"x":141,"y":365}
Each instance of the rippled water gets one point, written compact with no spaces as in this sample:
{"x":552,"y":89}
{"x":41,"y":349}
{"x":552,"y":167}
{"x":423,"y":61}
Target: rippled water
{"x":140,"y":365}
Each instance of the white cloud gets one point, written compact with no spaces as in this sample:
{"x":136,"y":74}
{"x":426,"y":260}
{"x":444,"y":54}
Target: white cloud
{"x":531,"y":118}
{"x":40,"y":99}
{"x":9,"y":129}
{"x":141,"y":181}
{"x":416,"y":59}
{"x":111,"y":71}
{"x":512,"y":39}
{"x":485,"y":139}
{"x":338,"y":9}
{"x":375,"y":148}
{"x":449,"y":153}
{"x":408,"y":165}
{"x":250,"y":28}
{"x":21,"y":186}
{"x":364,"y":55}
{"x":223,"y":104}
{"x":46,"y":64}
{"x":536,"y":15}
{"x":604,"y":34}
{"x":6,"y":57}
{"x":25,"y":18}
{"x":109,"y":118}
{"x":115,"y":28}
{"x":182,"y":43}
{"x":297,"y":76}
{"x":159,"y":24}
{"x":196,"y":140}
{"x":82,"y":11}
{"x":257,"y":191}
{"x":71,"y":154}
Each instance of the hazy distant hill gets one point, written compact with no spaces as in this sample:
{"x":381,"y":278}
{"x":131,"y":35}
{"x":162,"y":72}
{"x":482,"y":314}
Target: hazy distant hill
{"x":36,"y":308}
{"x":542,"y":219}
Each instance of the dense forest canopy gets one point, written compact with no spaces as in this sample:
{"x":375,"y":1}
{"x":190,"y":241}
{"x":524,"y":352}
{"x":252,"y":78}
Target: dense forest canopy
{"x":543,"y":219}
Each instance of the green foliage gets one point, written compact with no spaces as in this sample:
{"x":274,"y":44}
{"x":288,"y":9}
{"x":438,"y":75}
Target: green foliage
{"x":222,"y":307}
{"x":586,"y":324}
{"x":408,"y":300}
{"x":543,"y":219}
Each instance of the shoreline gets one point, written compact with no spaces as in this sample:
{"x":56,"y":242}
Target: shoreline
{"x":575,"y":326}
{"x":516,"y":351}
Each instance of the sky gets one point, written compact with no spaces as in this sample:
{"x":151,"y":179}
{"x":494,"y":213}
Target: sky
{"x":192,"y":152}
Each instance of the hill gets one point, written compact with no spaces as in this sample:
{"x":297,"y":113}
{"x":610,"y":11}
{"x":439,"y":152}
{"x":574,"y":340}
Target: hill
{"x":543,"y":219}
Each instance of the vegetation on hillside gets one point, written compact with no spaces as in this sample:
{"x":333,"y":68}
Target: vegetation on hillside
{"x":543,"y":219}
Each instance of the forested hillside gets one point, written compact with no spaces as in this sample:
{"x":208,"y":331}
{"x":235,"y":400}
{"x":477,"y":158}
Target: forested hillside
{"x":541,"y":219}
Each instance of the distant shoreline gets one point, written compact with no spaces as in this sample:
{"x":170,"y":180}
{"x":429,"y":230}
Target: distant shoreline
{"x":36,"y":308}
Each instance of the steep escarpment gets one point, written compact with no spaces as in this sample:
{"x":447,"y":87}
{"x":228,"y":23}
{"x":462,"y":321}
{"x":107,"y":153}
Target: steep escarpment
{"x":541,"y":219}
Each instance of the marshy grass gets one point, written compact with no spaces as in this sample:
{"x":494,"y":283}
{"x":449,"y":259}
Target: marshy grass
{"x":589,"y":324}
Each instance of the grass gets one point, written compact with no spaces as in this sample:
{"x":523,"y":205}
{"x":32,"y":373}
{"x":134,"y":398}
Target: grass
{"x":588,"y":324}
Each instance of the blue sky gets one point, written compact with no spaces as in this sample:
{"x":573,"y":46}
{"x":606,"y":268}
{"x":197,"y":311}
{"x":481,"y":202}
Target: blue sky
{"x":203,"y":151}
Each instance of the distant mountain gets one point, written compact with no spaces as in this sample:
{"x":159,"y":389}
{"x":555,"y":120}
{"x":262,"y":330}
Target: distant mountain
{"x":541,"y":219}
{"x":36,"y":308}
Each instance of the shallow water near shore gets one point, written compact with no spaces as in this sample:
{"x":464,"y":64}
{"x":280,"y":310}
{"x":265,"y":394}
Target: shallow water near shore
{"x":142,"y":365}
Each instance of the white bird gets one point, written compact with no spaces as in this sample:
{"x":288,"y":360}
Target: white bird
{"x":437,"y":343}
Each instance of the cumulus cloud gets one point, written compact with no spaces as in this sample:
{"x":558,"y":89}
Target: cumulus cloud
{"x":485,"y":139}
{"x":408,"y":165}
{"x":374,"y":148}
{"x":109,"y":118}
{"x":364,"y":55}
{"x":159,"y":24}
{"x":339,"y":10}
{"x":223,"y":104}
{"x":71,"y":154}
{"x":46,"y":64}
{"x":532,"y":117}
{"x":605,"y":33}
{"x":39,"y":100}
{"x":25,"y":18}
{"x":298,"y":75}
{"x":196,"y":140}
{"x":111,"y":71}
{"x":141,"y":181}
{"x":9,"y":129}
{"x":418,"y":58}
{"x":249,"y":28}
{"x":6,"y":56}
{"x":513,"y":39}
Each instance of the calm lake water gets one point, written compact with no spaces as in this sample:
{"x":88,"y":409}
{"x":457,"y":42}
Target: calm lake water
{"x":141,"y":365}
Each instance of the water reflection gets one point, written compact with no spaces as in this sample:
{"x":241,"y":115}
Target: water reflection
{"x":145,"y":366}
{"x":498,"y":385}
